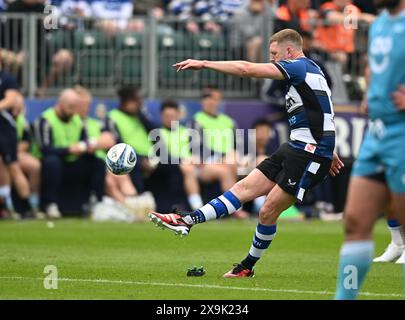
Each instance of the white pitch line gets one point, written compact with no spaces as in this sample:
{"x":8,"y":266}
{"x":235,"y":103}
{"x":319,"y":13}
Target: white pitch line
{"x":206,"y":286}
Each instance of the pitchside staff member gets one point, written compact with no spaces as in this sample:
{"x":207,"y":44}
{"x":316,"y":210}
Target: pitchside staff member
{"x":128,"y":124}
{"x":295,"y":167}
{"x":66,"y":156}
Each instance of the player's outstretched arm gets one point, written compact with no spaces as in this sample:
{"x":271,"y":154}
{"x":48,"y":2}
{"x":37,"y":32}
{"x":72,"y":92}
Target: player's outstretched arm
{"x":234,"y":68}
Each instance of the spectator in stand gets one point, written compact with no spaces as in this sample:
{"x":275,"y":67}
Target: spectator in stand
{"x":144,"y":7}
{"x":70,"y":12}
{"x":11,"y":52}
{"x":62,"y":60}
{"x":336,"y":32}
{"x":12,"y":61}
{"x":224,"y":10}
{"x":212,"y":13}
{"x":246,"y":30}
{"x":70,"y":15}
{"x":115,"y":15}
{"x":366,"y":6}
{"x":295,"y":14}
{"x":156,"y":8}
{"x":315,"y":4}
{"x":184,"y":11}
{"x":27,"y":6}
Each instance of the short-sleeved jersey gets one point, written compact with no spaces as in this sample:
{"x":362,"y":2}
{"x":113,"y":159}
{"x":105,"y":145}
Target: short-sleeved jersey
{"x":386,"y":57}
{"x":309,"y":107}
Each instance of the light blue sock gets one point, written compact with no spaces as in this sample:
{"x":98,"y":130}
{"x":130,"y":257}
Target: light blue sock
{"x":5,"y":192}
{"x":34,"y":201}
{"x":9,"y":203}
{"x":355,"y":260}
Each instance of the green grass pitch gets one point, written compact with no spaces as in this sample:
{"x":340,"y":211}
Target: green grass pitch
{"x":139,"y":261}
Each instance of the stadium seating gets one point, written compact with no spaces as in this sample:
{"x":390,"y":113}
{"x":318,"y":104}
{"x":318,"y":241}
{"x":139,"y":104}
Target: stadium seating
{"x":172,"y":48}
{"x":54,"y":41}
{"x":59,"y":39}
{"x":129,"y":62}
{"x":210,"y":46}
{"x":95,"y":58}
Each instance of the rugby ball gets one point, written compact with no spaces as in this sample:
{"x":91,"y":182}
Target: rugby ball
{"x":120,"y":159}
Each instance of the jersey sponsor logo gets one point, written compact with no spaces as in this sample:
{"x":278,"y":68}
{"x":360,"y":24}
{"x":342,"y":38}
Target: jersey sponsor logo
{"x":310,"y":148}
{"x":291,"y":183}
{"x":377,"y":128}
{"x":292,"y":120}
{"x":257,"y":244}
{"x":289,"y":102}
{"x":380,"y":49}
{"x":293,"y":99}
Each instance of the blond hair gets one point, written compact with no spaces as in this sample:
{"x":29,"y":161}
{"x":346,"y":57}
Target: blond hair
{"x":287,"y":35}
{"x":82,"y":91}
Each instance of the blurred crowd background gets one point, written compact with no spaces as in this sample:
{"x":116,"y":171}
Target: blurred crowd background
{"x":94,"y":73}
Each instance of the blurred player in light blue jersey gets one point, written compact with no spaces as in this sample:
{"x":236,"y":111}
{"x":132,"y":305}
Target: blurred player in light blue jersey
{"x":379,"y":172}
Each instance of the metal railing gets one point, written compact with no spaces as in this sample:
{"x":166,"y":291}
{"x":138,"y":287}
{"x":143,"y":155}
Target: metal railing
{"x":83,"y":52}
{"x":14,"y":45}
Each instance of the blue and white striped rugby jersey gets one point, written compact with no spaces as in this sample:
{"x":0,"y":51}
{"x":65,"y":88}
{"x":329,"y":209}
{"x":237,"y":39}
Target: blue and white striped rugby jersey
{"x":309,"y":107}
